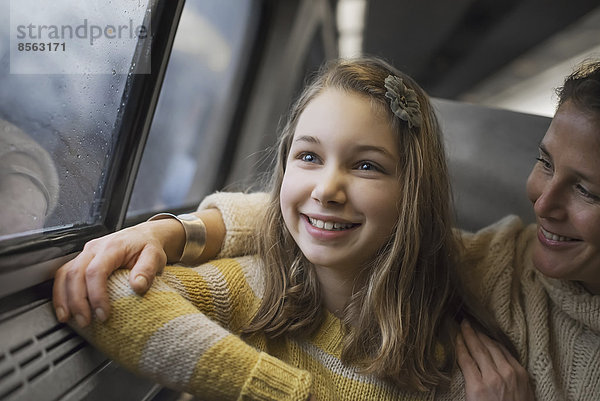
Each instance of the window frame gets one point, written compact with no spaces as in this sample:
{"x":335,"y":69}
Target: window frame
{"x":249,"y":68}
{"x":31,"y":259}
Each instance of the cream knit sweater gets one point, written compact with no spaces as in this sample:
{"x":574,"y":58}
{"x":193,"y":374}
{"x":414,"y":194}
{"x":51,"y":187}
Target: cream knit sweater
{"x":554,"y":324}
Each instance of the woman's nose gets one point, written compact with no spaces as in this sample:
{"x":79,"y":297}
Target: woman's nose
{"x":329,"y":188}
{"x":550,"y":203}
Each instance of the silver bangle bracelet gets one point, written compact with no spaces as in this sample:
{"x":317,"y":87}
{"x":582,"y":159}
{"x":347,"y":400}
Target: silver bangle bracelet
{"x":195,"y":235}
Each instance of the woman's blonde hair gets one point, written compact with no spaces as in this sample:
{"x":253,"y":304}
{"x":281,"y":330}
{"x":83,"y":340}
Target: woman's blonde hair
{"x":582,"y":88}
{"x":401,"y":324}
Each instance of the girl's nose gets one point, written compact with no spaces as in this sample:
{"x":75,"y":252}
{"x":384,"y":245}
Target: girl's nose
{"x":329,"y":188}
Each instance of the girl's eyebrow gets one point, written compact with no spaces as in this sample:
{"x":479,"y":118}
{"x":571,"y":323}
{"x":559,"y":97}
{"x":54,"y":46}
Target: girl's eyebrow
{"x":307,"y":138}
{"x":372,"y":148}
{"x":359,"y":148}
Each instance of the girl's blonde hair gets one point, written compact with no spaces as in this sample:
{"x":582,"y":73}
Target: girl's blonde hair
{"x":401,"y":324}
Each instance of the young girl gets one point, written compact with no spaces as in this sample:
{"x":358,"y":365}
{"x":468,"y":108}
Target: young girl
{"x":353,"y":292}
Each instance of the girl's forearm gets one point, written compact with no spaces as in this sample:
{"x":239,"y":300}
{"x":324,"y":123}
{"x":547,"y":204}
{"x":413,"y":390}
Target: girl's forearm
{"x":166,"y":336}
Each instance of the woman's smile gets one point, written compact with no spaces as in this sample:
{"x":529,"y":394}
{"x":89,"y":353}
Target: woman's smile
{"x":555,"y":238}
{"x":564,"y":187}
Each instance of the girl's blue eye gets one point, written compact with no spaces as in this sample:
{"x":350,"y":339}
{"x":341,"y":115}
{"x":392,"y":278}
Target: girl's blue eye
{"x":308,"y":157}
{"x":368,"y":166}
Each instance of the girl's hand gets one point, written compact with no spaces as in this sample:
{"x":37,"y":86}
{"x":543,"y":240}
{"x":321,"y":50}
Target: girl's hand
{"x":490,"y":371}
{"x":80,"y":285}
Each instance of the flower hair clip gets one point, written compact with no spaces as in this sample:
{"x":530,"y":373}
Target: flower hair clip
{"x":404,"y":103}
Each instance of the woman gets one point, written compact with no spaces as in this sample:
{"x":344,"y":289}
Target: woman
{"x":542,"y":282}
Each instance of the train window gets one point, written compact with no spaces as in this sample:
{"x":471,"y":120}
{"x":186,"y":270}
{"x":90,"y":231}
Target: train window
{"x":73,"y":123}
{"x":64,"y":75}
{"x":196,"y":104}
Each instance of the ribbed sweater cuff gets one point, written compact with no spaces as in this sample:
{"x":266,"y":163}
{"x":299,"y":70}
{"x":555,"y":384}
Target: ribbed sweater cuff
{"x":242,"y":213}
{"x":273,"y":380}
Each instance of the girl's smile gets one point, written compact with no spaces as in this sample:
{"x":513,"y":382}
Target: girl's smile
{"x":328,"y":228}
{"x":329,"y":225}
{"x":340,"y":189}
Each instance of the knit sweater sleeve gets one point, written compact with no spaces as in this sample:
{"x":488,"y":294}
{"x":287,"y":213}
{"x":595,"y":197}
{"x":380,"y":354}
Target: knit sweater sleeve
{"x":181,"y":333}
{"x":488,"y":256}
{"x":242,"y":214}
{"x":493,"y":269}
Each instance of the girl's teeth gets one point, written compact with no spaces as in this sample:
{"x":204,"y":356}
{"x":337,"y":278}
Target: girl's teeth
{"x":329,"y":225}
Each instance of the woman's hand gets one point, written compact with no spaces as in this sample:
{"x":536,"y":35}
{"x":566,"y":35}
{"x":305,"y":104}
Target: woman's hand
{"x":490,"y":371}
{"x":80,"y":285}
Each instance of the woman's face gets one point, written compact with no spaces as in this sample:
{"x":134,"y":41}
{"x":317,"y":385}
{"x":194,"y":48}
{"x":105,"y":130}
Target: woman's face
{"x":564,"y":187}
{"x":340,"y":189}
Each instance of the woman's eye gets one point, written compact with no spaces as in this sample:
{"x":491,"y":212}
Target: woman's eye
{"x":587,"y":194}
{"x":545,"y":163}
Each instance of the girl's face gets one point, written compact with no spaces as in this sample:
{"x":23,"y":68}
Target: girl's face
{"x":564,"y":187}
{"x":340,"y":189}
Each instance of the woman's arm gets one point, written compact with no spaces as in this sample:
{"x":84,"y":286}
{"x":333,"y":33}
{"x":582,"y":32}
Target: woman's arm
{"x":488,"y":256}
{"x":170,"y":334}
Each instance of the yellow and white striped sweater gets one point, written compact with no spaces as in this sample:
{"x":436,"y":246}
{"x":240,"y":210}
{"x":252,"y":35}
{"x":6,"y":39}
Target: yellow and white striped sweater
{"x":182,"y":333}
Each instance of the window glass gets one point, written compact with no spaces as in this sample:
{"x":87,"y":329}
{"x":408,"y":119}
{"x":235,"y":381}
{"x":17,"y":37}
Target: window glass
{"x":195,"y":106}
{"x":63,"y":75}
